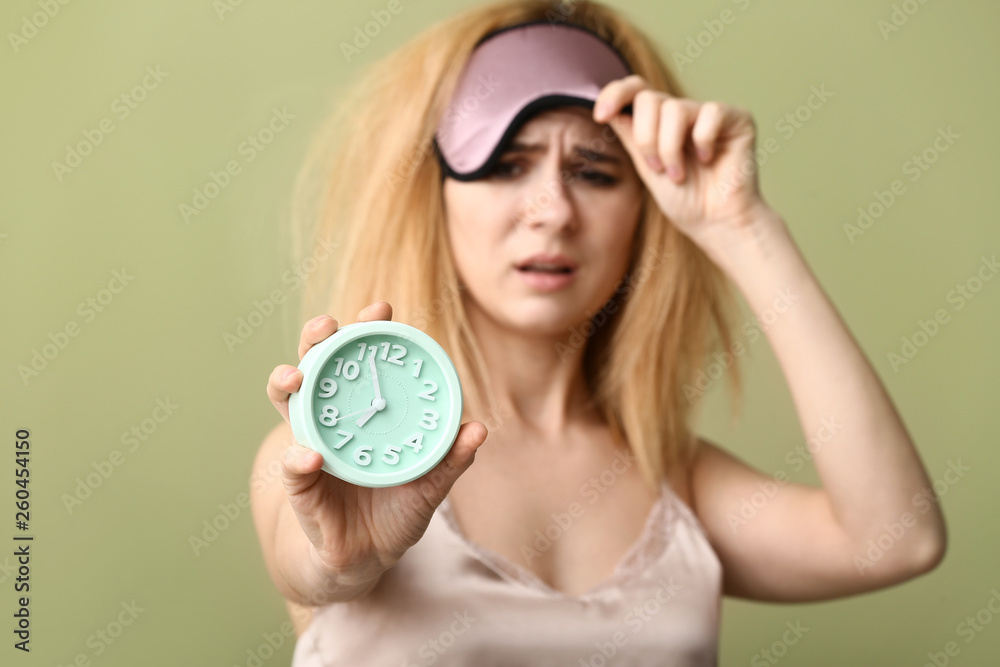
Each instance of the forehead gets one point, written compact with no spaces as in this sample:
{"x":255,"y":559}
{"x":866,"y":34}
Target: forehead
{"x":574,"y":121}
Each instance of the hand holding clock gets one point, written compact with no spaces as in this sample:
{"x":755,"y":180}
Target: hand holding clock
{"x":358,"y":532}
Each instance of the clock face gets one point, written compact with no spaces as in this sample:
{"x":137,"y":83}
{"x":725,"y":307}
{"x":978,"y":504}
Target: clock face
{"x":381,"y":401}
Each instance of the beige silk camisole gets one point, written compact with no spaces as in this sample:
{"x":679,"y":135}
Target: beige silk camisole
{"x":451,"y":602}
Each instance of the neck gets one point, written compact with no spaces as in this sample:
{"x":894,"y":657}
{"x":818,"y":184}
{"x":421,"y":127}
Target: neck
{"x":537,"y":379}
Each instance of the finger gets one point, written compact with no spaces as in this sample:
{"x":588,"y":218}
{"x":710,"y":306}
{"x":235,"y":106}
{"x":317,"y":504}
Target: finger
{"x":380,"y":310}
{"x":645,"y":124}
{"x":622,"y":125}
{"x":676,"y":117}
{"x":436,"y":484}
{"x":616,"y":95}
{"x":283,"y":381}
{"x":706,"y":130}
{"x":300,"y":468}
{"x":315,"y":331}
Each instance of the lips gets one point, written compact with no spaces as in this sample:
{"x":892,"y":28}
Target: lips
{"x":547,"y":272}
{"x":547,"y":263}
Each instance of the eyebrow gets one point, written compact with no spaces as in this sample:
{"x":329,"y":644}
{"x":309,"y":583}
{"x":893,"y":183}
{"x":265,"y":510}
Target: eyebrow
{"x":593,"y":156}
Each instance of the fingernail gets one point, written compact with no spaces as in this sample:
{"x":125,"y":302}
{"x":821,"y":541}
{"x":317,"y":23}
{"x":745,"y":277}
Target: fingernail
{"x":289,"y":373}
{"x":654,"y":162}
{"x":704,"y":154}
{"x":674,"y":172}
{"x":602,"y":110}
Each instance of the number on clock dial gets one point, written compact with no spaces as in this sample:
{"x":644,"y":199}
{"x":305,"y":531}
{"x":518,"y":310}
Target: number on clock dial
{"x":398,"y":352}
{"x":350,"y":370}
{"x":362,"y":455}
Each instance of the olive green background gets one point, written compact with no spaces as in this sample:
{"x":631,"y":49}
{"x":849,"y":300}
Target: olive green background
{"x":162,"y":337}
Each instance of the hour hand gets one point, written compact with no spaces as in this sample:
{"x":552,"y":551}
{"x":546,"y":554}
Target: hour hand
{"x":368,"y":415}
{"x":350,"y":415}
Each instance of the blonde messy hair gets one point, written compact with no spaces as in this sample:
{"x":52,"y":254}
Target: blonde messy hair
{"x":371,"y":187}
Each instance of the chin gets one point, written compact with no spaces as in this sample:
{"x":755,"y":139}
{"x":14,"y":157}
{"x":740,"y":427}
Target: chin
{"x":544,"y":317}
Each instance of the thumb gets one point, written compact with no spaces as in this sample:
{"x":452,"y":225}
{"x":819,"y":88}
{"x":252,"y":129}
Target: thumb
{"x":436,"y":484}
{"x":300,"y":468}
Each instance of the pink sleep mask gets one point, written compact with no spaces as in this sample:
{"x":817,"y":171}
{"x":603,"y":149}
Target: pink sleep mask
{"x":513,"y":73}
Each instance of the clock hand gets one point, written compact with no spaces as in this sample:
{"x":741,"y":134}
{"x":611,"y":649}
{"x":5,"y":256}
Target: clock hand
{"x":368,"y":415}
{"x":350,"y":415}
{"x":379,"y":401}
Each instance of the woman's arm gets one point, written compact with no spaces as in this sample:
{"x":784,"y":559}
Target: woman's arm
{"x":801,"y":543}
{"x":870,"y":525}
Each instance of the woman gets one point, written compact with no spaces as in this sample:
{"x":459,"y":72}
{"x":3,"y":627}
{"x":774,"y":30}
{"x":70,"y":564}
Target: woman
{"x":528,"y":184}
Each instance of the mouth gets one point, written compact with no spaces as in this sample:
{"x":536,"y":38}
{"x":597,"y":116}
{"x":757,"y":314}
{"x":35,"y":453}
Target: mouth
{"x":547,"y":264}
{"x":547,"y":273}
{"x":545,"y":268}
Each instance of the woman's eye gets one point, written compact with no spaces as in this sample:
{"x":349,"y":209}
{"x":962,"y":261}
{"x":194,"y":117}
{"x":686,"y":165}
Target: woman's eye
{"x":512,"y":169}
{"x":597,"y":178}
{"x":506,"y":169}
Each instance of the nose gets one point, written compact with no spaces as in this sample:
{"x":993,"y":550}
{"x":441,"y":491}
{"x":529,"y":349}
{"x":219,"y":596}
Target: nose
{"x":548,"y":203}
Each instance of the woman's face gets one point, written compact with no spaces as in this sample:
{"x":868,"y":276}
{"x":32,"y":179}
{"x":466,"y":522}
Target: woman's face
{"x":542,"y":241}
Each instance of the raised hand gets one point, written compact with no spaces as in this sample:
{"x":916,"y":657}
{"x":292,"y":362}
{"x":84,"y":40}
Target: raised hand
{"x":695,"y":158}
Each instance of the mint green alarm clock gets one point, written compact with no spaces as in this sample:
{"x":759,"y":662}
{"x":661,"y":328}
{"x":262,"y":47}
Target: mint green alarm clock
{"x":381,"y":401}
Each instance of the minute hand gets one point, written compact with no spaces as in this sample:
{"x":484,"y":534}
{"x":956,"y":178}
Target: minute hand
{"x":378,"y":391}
